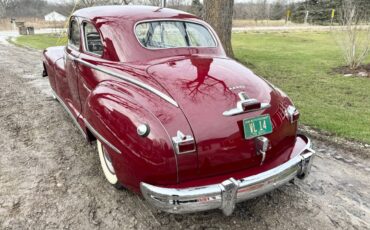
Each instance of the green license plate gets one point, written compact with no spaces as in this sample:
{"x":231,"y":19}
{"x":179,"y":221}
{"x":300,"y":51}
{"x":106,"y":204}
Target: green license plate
{"x":257,"y":126}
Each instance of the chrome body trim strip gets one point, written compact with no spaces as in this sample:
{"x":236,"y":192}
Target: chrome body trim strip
{"x":69,"y":112}
{"x":225,"y":194}
{"x":86,"y":123}
{"x":127,"y":78}
{"x":100,"y":137}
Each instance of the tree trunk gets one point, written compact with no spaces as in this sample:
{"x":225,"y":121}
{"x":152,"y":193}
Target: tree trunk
{"x":219,"y":14}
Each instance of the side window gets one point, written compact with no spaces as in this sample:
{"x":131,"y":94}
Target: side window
{"x":199,"y":36}
{"x":168,"y":35}
{"x":93,"y":43}
{"x":173,"y":34}
{"x":74,"y":34}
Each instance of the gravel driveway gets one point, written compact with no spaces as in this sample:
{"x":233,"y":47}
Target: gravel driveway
{"x":50,"y":178}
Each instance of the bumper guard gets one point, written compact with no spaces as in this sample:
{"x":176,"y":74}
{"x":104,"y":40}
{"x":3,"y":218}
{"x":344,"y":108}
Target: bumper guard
{"x":225,"y":195}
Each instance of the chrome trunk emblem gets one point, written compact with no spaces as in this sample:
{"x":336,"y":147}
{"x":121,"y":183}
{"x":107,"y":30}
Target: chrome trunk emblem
{"x":237,"y":87}
{"x":262,"y":145}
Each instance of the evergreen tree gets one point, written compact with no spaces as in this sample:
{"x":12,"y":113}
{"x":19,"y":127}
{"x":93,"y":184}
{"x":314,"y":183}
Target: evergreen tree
{"x":320,"y":11}
{"x":278,"y":11}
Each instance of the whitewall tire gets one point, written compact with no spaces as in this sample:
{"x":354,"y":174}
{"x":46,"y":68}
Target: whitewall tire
{"x":106,"y":164}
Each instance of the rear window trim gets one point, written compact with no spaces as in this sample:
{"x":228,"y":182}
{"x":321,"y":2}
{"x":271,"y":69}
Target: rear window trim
{"x":177,"y":20}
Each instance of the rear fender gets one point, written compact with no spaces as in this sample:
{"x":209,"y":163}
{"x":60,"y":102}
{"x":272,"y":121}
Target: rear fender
{"x":115,"y":114}
{"x":53,"y":63}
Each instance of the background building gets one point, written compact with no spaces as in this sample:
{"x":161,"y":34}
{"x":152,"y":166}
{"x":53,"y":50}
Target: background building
{"x":55,"y":17}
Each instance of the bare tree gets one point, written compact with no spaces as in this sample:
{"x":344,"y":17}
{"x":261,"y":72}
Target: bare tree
{"x":174,"y":3}
{"x":354,"y":37}
{"x":155,"y":2}
{"x":120,"y":2}
{"x":198,"y":88}
{"x":87,"y":3}
{"x":196,"y":8}
{"x":4,"y":4}
{"x":25,"y":8}
{"x":219,"y":13}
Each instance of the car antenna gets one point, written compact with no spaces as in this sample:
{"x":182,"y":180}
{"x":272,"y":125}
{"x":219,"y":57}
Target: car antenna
{"x":163,"y":4}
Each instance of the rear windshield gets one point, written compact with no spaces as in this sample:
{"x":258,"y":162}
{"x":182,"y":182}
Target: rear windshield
{"x":173,"y":34}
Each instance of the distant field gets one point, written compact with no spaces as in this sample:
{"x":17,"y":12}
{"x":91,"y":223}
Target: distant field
{"x":40,"y":41}
{"x":37,"y":23}
{"x":246,"y":23}
{"x":301,"y":64}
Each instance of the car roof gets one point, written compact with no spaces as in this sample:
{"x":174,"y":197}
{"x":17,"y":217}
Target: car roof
{"x":134,"y":13}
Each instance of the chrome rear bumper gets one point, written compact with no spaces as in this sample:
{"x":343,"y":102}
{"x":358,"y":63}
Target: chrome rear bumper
{"x":226,"y":194}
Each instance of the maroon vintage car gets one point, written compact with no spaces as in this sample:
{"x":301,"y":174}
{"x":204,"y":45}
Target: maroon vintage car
{"x":173,"y":117}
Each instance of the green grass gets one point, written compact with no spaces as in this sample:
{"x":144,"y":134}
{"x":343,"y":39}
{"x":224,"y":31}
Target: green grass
{"x":39,"y":41}
{"x":301,"y":63}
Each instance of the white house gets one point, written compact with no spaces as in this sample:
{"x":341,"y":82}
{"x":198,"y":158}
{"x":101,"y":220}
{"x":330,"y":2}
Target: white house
{"x":55,"y":17}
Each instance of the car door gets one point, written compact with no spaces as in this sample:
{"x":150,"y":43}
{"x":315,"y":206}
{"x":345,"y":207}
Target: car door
{"x":69,"y":86}
{"x":92,"y":52}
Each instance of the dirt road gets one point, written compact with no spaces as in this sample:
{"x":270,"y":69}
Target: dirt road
{"x":50,"y":178}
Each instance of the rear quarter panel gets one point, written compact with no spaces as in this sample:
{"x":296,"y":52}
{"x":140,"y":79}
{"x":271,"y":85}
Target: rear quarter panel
{"x":53,"y":61}
{"x":114,"y":112}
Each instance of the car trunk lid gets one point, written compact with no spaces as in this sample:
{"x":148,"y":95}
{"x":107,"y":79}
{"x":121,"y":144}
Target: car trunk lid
{"x":205,"y":88}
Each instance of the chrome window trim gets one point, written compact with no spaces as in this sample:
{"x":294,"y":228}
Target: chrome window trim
{"x":69,"y":44}
{"x":73,"y":47}
{"x":128,"y":78}
{"x":177,"y":20}
{"x":100,"y":137}
{"x":85,"y":50}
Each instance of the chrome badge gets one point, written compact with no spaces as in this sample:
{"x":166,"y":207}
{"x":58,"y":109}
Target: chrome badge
{"x":262,"y":145}
{"x":237,"y":87}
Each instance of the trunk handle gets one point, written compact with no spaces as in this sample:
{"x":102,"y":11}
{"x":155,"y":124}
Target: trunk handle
{"x":246,"y":105}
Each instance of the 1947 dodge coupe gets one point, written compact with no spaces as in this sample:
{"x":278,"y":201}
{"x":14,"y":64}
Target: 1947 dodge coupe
{"x":173,"y":117}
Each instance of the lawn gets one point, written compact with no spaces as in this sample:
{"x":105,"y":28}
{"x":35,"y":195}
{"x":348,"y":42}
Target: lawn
{"x":301,"y":63}
{"x":39,"y":41}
